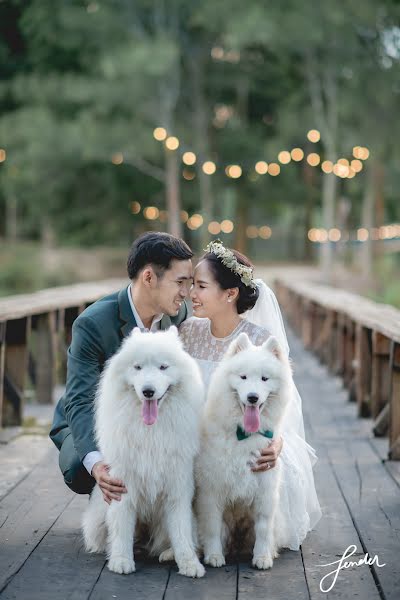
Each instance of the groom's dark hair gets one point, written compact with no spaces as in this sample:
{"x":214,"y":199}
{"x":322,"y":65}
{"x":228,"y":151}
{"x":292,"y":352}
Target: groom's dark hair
{"x":158,"y":249}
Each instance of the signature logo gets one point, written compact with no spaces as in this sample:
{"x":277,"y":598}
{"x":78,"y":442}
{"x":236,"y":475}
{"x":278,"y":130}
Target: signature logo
{"x":342,"y":563}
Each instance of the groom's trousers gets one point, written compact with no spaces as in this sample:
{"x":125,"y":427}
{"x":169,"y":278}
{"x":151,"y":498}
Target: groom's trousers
{"x":75,"y":475}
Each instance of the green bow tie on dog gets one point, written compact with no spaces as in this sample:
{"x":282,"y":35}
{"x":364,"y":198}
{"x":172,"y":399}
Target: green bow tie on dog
{"x":242,"y":435}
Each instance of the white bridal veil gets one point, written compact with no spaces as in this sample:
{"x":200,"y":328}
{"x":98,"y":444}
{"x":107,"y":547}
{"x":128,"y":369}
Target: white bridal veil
{"x":296,"y":451}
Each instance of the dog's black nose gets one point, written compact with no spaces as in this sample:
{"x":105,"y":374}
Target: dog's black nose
{"x":148,"y":392}
{"x":252,"y":398}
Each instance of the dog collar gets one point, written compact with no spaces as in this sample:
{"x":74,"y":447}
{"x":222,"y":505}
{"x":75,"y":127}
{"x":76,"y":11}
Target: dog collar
{"x":242,"y":435}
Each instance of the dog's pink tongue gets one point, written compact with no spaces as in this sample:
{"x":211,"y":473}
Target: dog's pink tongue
{"x":150,"y":412}
{"x":251,"y":419}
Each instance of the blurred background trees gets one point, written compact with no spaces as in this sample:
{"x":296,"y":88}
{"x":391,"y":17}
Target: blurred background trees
{"x":101,"y":104}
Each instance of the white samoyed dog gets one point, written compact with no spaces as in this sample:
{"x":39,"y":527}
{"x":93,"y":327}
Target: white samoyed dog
{"x":147,"y":424}
{"x":248,"y":395}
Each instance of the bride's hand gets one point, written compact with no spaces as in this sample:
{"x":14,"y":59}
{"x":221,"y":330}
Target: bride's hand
{"x":269,"y":455}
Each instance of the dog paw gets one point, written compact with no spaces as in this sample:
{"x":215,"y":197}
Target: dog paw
{"x":265,"y":561}
{"x":167,"y":555}
{"x":215,"y":560}
{"x":191,"y":568}
{"x":120,"y":564}
{"x":95,"y":548}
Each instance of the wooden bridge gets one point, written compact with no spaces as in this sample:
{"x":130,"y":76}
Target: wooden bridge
{"x":41,"y":550}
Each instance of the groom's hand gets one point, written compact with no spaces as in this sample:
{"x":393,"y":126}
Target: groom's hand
{"x":269,"y":456}
{"x":110,"y":488}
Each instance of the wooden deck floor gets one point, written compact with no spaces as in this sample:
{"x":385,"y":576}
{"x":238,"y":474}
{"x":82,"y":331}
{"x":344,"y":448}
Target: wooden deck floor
{"x":42,"y":557}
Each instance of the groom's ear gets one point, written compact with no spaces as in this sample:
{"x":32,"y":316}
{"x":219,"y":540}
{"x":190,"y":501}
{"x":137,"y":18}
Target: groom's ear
{"x":241,"y":343}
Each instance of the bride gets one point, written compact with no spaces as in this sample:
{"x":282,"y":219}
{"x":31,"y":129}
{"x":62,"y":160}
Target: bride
{"x":226,"y":301}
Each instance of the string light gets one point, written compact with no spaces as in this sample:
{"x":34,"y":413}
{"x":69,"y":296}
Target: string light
{"x":274,"y":169}
{"x":188,"y":175}
{"x":334,"y":235}
{"x":151,"y":212}
{"x":313,"y":159}
{"x":184,"y":216}
{"x":214,"y":227}
{"x":327,"y":166}
{"x":356,"y":165}
{"x":117,"y":158}
{"x":172,"y":143}
{"x":227,"y":226}
{"x":252,"y":231}
{"x":261,"y":167}
{"x":189,"y":158}
{"x":135,"y":208}
{"x":314,"y":135}
{"x":234,"y":171}
{"x":297,"y":154}
{"x":284,"y":157}
{"x":209,"y":167}
{"x":160,"y":134}
{"x":3,"y":155}
{"x":265,"y":232}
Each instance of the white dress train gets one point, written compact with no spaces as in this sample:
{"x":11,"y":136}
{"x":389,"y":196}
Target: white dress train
{"x":299,"y":509}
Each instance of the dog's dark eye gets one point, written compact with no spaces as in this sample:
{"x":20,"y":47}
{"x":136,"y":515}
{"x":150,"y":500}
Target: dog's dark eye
{"x":163,"y":367}
{"x":137,"y":367}
{"x":264,"y":378}
{"x":243,"y":377}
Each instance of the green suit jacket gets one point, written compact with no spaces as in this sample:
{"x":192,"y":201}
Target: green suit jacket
{"x":96,"y":335}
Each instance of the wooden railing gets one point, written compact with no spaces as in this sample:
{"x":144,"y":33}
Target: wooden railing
{"x":357,"y":339}
{"x":35,"y":330}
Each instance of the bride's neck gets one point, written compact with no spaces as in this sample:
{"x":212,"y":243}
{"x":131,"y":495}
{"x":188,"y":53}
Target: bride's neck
{"x":223,"y":326}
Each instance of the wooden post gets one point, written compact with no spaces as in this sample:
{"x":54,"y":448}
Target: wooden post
{"x":394,"y":425}
{"x":363,"y":362}
{"x":45,"y":354}
{"x":3,"y":326}
{"x":349,"y":378}
{"x":340,"y":345}
{"x":15,"y":370}
{"x":380,"y":373}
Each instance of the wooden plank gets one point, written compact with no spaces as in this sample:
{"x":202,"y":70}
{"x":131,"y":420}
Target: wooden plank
{"x":31,"y":508}
{"x":147,"y":583}
{"x":328,"y":541}
{"x":59,"y":567}
{"x":18,"y":457}
{"x":372,"y":498}
{"x":216,"y":583}
{"x":286,"y":579}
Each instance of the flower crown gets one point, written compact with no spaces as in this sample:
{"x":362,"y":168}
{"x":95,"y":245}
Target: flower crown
{"x":229,"y":260}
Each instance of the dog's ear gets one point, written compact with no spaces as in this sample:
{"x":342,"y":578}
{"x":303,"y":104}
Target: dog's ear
{"x":174,"y":330}
{"x":272,"y":345}
{"x":241,"y":343}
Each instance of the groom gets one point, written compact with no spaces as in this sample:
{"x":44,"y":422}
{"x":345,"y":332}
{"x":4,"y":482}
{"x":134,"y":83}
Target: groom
{"x":160,"y":270}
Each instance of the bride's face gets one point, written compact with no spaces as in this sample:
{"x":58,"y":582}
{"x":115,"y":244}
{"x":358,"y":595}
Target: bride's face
{"x":208,"y":298}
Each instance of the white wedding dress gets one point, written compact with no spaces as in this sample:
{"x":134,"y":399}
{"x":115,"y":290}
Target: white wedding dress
{"x":299,"y":509}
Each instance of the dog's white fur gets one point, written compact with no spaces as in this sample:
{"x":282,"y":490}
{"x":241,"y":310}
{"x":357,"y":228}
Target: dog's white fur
{"x":155,"y":462}
{"x":229,"y":493}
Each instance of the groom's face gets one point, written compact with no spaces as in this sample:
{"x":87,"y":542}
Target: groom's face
{"x":173,"y":286}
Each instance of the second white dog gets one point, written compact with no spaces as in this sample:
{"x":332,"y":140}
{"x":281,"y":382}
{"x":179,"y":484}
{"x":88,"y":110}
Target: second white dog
{"x":246,"y":402}
{"x":148,"y":410}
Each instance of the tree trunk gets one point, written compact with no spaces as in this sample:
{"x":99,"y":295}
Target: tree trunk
{"x":329,"y":184}
{"x":368,"y":221}
{"x":11,"y":225}
{"x":173,"y":193}
{"x":201,"y":143}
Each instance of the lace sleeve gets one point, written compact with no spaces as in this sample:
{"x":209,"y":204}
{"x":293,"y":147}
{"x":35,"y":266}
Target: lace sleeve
{"x":185,"y":333}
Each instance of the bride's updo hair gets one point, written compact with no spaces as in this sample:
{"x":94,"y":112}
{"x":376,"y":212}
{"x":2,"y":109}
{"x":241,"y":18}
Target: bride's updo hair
{"x":228,"y":279}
